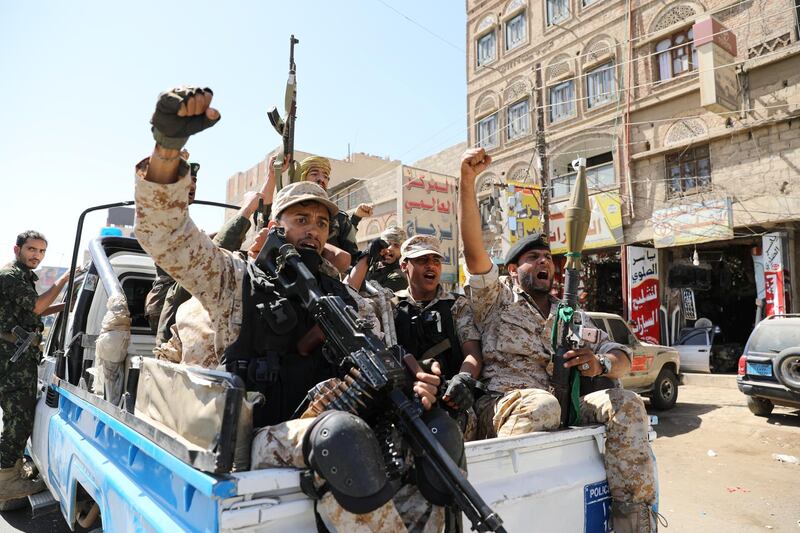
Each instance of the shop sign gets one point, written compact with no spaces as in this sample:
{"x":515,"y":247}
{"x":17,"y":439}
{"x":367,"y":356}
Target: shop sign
{"x":689,"y":308}
{"x":524,"y":210}
{"x":427,"y":206}
{"x":774,"y":280}
{"x":693,"y":223}
{"x":605,"y":227}
{"x":643,"y":298}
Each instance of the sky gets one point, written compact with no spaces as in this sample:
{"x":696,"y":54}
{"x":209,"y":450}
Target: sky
{"x":80,"y":80}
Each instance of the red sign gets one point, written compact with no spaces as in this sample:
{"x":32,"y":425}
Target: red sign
{"x":643,"y":298}
{"x":773,"y":291}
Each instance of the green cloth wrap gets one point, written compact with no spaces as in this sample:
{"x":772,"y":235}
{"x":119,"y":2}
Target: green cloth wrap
{"x":564,"y":316}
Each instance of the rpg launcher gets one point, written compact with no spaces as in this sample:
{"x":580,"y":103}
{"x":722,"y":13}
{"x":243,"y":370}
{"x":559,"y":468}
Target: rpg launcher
{"x":376,"y":385}
{"x":567,"y":330}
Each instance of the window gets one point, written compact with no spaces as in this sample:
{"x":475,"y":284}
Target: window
{"x":619,"y":331}
{"x":518,"y":120}
{"x":136,"y":289}
{"x":486,"y":48}
{"x":487,"y":132}
{"x":515,"y":31}
{"x":600,"y":85}
{"x":688,"y":171}
{"x":562,"y":101}
{"x":599,"y":175}
{"x":676,"y":55}
{"x":557,"y":10}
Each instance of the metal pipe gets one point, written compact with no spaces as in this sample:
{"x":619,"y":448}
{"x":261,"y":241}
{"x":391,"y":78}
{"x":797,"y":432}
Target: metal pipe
{"x":104,"y":269}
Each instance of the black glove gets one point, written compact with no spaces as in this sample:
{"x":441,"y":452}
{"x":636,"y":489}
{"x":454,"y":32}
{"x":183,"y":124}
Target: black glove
{"x":373,"y":251}
{"x":461,"y":391}
{"x":170,"y":130}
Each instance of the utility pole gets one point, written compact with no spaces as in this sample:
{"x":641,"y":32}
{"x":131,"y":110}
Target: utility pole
{"x":541,"y":149}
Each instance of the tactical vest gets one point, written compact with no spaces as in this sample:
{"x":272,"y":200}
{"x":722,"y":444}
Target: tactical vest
{"x":265,"y":353}
{"x":430,"y":334}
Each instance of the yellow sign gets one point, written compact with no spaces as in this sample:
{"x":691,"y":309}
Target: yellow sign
{"x":605,"y":228}
{"x":524,"y":210}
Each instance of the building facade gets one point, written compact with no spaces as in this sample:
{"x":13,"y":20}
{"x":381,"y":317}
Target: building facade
{"x":688,"y":116}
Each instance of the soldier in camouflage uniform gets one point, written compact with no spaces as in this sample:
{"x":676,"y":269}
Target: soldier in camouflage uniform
{"x":20,"y":306}
{"x":515,"y":315}
{"x":380,"y":262}
{"x":217,"y":279}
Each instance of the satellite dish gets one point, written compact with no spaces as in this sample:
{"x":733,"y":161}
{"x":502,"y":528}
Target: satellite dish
{"x":703,"y":323}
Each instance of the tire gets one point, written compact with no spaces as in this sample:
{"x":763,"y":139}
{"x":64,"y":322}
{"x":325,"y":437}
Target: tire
{"x":759,"y":406}
{"x":665,"y":390}
{"x":787,"y":368}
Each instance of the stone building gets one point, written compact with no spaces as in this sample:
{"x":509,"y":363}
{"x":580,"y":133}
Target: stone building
{"x":688,"y":116}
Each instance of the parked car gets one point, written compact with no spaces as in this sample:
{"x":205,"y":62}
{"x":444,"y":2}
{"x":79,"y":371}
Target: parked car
{"x":769,"y":368}
{"x":655,"y":369}
{"x":703,"y":348}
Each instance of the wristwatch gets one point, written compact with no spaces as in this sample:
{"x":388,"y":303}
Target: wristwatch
{"x":605,"y":365}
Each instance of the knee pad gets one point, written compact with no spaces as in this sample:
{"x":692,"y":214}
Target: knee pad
{"x":342,"y":449}
{"x":446,"y":431}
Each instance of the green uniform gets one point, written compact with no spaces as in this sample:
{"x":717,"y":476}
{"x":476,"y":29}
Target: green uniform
{"x":17,"y":380}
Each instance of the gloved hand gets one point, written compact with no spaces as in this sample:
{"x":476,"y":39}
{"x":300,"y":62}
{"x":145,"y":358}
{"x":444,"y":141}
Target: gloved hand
{"x":373,"y":251}
{"x":180,"y":113}
{"x":460,"y":393}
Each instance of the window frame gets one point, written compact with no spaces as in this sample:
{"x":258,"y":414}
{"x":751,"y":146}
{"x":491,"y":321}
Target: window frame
{"x":506,"y":24}
{"x":491,"y":33}
{"x":680,"y":161}
{"x":551,"y":22}
{"x":495,"y":134}
{"x":675,"y":51}
{"x":608,"y":96}
{"x":571,"y":101}
{"x":527,"y":122}
{"x":568,"y":180}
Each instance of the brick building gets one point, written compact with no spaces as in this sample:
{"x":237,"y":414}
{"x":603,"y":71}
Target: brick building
{"x":688,"y":114}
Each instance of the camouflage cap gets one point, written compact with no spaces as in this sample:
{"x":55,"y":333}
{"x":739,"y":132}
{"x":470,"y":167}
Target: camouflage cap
{"x":420,"y":245}
{"x":298,"y":192}
{"x":394,"y":235}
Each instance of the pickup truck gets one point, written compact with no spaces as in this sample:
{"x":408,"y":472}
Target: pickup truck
{"x":139,"y":464}
{"x":655,"y":369}
{"x":704,"y":348}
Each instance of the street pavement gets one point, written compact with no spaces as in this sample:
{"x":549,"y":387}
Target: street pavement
{"x":715,"y":466}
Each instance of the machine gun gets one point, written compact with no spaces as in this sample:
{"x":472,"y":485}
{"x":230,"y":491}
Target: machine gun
{"x":567,"y":329}
{"x":375,"y":383}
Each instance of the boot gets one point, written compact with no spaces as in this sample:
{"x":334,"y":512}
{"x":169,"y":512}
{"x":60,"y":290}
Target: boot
{"x":632,"y":517}
{"x":13,"y":485}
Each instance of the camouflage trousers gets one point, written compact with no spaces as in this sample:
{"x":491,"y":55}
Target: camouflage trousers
{"x":628,"y":460}
{"x":18,"y":401}
{"x":281,"y":445}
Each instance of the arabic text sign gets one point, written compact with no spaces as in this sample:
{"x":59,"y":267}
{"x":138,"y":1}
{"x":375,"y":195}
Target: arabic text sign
{"x":427,"y":206}
{"x":524,"y":209}
{"x":605,"y":227}
{"x":643,"y":298}
{"x":693,"y":223}
{"x":774,"y":282}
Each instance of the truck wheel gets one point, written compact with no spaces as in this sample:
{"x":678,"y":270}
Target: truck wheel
{"x":665,"y":390}
{"x":759,"y":406}
{"x":787,"y":368}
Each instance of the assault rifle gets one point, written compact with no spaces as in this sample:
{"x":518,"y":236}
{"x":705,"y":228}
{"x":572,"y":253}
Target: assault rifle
{"x":23,"y":342}
{"x":374,"y":371}
{"x":568,"y":333}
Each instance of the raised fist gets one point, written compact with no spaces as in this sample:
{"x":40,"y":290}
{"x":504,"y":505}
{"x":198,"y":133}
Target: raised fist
{"x":364,"y":210}
{"x":180,"y":113}
{"x":473,"y":162}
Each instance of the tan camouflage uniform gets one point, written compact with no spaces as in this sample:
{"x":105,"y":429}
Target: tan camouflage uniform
{"x":214,"y":276}
{"x":516,"y":353}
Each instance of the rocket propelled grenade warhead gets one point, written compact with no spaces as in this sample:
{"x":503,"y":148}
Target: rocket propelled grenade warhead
{"x":579,"y":214}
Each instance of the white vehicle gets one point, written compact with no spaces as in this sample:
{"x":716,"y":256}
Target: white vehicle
{"x":141,"y":464}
